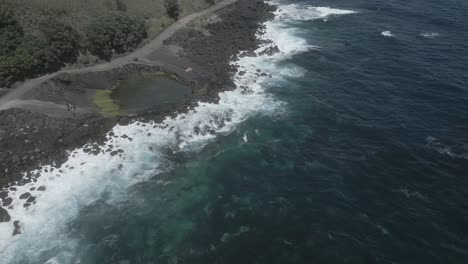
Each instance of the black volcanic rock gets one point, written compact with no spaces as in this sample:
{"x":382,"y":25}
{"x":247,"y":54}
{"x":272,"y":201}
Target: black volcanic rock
{"x":25,"y":195}
{"x":4,"y":216}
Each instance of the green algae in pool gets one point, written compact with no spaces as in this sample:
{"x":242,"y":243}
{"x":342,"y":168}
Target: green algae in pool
{"x":156,"y":91}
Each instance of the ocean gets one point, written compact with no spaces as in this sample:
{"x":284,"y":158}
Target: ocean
{"x":350,"y":145}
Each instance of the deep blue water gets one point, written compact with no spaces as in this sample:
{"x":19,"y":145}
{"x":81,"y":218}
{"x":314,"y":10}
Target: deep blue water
{"x":371,"y":164}
{"x":367,"y":164}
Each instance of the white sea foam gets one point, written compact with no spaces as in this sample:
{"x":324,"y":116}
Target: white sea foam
{"x":387,"y":33}
{"x":429,"y":35}
{"x":459,"y":152}
{"x":296,"y":12}
{"x":410,"y":194}
{"x":86,"y":178}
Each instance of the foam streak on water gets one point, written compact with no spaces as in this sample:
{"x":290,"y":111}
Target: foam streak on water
{"x":430,"y":35}
{"x":387,"y":33}
{"x":142,"y":150}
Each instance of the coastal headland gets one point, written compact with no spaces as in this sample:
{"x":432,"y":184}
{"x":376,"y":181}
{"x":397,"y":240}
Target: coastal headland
{"x":44,"y":118}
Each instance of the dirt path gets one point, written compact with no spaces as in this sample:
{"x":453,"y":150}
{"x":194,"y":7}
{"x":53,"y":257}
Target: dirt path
{"x":13,"y":98}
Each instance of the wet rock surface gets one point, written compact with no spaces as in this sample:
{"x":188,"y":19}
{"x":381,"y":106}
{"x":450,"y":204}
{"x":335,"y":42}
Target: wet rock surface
{"x":28,"y":140}
{"x":234,"y":31}
{"x":4,"y":216}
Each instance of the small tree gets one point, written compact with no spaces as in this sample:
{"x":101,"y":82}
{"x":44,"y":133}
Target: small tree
{"x":172,"y":8}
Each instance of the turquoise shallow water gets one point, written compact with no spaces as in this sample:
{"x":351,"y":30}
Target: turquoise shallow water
{"x":364,"y":162}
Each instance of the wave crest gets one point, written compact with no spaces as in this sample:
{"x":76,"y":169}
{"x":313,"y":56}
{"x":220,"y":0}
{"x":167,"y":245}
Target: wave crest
{"x":296,"y":12}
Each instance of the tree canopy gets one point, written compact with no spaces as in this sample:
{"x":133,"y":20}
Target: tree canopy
{"x":51,"y":43}
{"x":11,"y":33}
{"x":62,"y":39}
{"x":114,"y":33}
{"x":21,"y":56}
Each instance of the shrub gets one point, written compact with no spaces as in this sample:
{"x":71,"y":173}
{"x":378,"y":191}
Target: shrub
{"x":11,"y":33}
{"x":63,"y":40}
{"x":86,"y":58}
{"x":172,"y":8}
{"x":16,"y":66}
{"x":114,"y":32}
{"x":45,"y":57}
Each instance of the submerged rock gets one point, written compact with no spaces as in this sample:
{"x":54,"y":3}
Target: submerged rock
{"x":17,"y":229}
{"x":7,"y":201}
{"x":4,"y":216}
{"x":25,"y":195}
{"x":31,"y":199}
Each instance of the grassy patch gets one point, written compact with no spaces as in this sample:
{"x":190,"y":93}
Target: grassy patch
{"x":105,"y":102}
{"x":158,"y":24}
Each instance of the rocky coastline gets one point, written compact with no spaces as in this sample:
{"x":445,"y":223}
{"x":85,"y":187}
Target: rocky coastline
{"x":199,"y":55}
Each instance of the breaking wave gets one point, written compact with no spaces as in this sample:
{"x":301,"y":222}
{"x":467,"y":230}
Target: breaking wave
{"x":135,"y":153}
{"x":387,"y":33}
{"x":296,"y":12}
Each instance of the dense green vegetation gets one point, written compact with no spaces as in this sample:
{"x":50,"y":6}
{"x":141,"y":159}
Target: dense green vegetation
{"x":114,"y":33}
{"x":40,"y":36}
{"x":53,"y":44}
{"x":15,"y":66}
{"x":61,"y":39}
{"x":23,"y":55}
{"x":11,"y":33}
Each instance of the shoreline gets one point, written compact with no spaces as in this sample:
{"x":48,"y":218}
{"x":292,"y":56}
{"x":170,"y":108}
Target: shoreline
{"x":50,"y":139}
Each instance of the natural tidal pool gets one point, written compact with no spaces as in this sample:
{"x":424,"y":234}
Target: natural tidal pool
{"x":158,"y":91}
